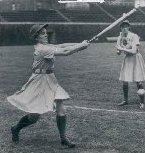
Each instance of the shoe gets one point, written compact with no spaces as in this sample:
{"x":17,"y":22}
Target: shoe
{"x":67,"y":143}
{"x":123,"y":103}
{"x":15,"y":135}
{"x":141,"y":106}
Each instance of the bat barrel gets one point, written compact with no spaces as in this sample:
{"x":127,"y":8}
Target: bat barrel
{"x":113,"y":24}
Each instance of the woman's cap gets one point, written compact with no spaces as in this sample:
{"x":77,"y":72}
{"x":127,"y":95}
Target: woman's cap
{"x":126,"y":22}
{"x":34,"y":30}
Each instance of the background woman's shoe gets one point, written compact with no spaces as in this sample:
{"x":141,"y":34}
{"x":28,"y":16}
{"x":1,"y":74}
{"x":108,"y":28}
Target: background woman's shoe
{"x":142,"y":106}
{"x":123,"y":103}
{"x":67,"y":143}
{"x":15,"y":134}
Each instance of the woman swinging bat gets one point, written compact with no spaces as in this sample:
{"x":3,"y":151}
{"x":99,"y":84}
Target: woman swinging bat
{"x":42,"y":91}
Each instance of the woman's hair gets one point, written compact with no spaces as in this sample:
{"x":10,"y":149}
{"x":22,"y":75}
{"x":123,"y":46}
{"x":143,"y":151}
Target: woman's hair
{"x":121,"y":26}
{"x":37,"y":34}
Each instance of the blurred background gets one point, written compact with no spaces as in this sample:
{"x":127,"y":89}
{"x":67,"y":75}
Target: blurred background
{"x":69,"y":22}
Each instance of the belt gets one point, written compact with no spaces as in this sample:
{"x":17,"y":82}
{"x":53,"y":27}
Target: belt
{"x":42,"y":71}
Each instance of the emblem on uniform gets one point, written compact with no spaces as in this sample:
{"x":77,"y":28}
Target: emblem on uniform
{"x":125,"y":43}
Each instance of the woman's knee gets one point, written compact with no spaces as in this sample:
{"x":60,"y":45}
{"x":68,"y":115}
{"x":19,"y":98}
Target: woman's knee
{"x":33,"y":117}
{"x":60,"y":110}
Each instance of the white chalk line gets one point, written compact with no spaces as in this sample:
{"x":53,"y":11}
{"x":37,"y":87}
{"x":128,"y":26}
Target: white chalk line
{"x":106,"y":110}
{"x":101,"y":109}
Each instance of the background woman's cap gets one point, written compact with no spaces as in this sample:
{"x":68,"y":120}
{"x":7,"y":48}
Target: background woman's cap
{"x":36,"y":28}
{"x":126,"y":22}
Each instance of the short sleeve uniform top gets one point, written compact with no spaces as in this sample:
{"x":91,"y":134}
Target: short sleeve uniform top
{"x":44,"y":57}
{"x":132,"y":40}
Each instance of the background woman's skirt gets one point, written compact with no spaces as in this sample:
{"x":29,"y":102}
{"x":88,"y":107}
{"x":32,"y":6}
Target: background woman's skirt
{"x":133,"y":68}
{"x":38,"y":94}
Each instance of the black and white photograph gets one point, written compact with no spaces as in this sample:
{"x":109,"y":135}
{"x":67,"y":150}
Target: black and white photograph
{"x":72,"y":76}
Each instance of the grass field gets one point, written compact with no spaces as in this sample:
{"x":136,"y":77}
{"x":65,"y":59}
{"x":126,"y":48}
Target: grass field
{"x":95,"y":122}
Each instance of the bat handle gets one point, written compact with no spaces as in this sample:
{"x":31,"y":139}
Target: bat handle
{"x":94,"y":38}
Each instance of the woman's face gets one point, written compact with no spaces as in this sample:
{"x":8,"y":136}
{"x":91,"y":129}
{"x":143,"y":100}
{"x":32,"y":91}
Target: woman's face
{"x":42,"y":36}
{"x":125,"y":29}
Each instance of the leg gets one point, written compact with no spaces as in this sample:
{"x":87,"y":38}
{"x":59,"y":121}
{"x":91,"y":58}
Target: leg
{"x":140,"y":86}
{"x":24,"y":122}
{"x":61,"y":124}
{"x":125,"y":93}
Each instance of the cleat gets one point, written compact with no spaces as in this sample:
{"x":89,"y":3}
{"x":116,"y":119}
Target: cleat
{"x":123,"y":103}
{"x":66,"y":142}
{"x":15,"y":135}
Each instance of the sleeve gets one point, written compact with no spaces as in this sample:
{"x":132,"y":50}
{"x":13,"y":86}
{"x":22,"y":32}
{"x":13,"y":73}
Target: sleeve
{"x":136,"y":40}
{"x":49,"y":55}
{"x":49,"y":52}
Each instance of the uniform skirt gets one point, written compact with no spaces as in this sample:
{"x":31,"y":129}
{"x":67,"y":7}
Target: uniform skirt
{"x":133,"y":68}
{"x":38,"y":95}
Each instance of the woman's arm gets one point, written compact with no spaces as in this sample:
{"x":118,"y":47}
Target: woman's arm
{"x":66,"y":44}
{"x":132,"y":51}
{"x":118,"y":46}
{"x":71,"y":49}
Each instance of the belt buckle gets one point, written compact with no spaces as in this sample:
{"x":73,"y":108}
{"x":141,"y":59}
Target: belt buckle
{"x":37,"y":71}
{"x":43,"y":71}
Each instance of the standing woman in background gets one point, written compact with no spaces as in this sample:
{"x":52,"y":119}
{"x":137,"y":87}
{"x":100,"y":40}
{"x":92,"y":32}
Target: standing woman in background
{"x":133,"y":67}
{"x":42,"y":91}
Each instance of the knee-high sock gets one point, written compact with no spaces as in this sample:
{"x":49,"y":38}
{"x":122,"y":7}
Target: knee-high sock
{"x":24,"y":122}
{"x":125,"y":92}
{"x":61,"y":124}
{"x":142,"y":99}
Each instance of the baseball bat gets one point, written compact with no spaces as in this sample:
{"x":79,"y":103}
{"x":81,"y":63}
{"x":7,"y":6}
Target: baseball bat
{"x":125,"y":15}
